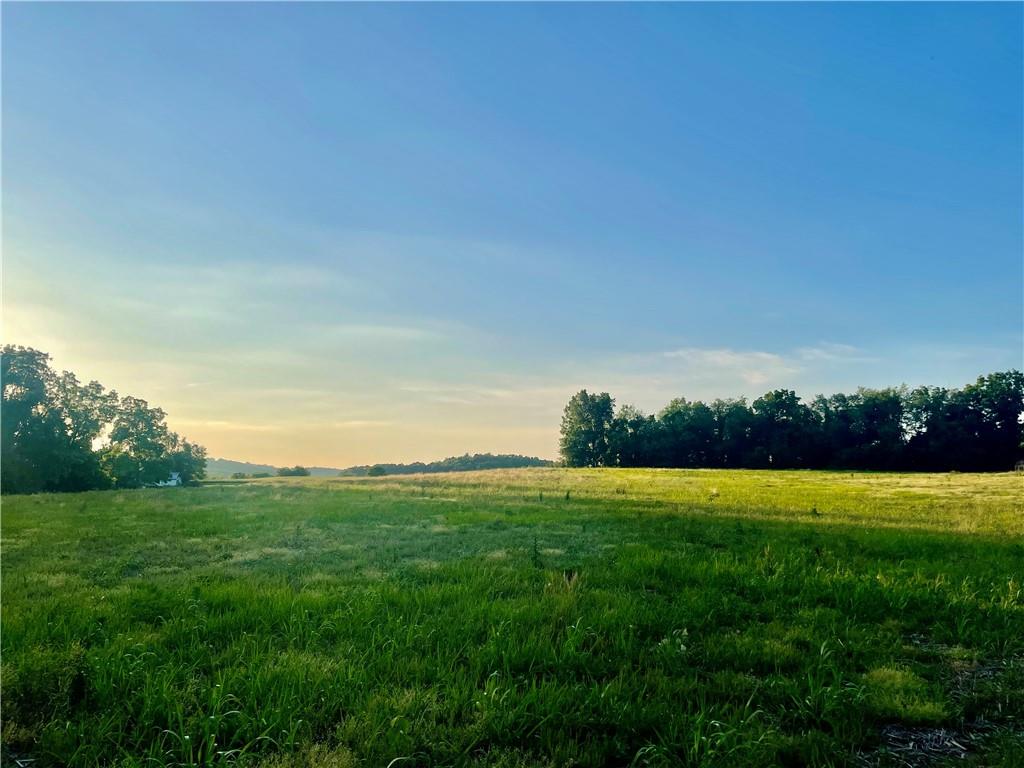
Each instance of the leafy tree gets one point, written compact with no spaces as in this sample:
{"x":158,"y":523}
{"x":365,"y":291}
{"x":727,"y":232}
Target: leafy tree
{"x":783,"y":429}
{"x":935,"y":422}
{"x":28,"y":434}
{"x":976,"y":428}
{"x":84,"y":412}
{"x":998,"y":399}
{"x":734,"y":424}
{"x":465,"y":463}
{"x":52,"y":424}
{"x":376,"y":471}
{"x":688,"y":431}
{"x":634,"y":439}
{"x":187,"y":459}
{"x":296,"y":471}
{"x":138,"y":453}
{"x":586,"y":430}
{"x":865,"y":430}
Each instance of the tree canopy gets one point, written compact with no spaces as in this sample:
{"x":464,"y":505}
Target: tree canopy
{"x":976,"y":428}
{"x":61,"y":435}
{"x":296,"y":471}
{"x":587,"y":431}
{"x":464,"y":463}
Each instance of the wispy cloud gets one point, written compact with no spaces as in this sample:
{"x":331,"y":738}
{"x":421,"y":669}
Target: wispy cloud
{"x":373,"y":332}
{"x":752,"y":367}
{"x":361,"y":424}
{"x":832,"y":352}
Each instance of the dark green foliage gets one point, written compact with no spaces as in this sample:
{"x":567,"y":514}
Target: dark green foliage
{"x":296,"y":471}
{"x":51,"y":423}
{"x":688,"y":434}
{"x":977,"y":428}
{"x":783,"y":431}
{"x":465,"y":463}
{"x":138,"y":452}
{"x":865,"y":430}
{"x":187,"y":459}
{"x":634,"y":439}
{"x":587,"y":430}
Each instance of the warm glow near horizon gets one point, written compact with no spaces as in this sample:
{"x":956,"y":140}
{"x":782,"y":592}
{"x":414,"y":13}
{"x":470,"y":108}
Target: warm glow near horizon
{"x":360,"y":234}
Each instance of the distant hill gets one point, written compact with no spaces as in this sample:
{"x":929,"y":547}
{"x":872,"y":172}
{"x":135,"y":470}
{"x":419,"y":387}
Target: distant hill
{"x":226,"y":467}
{"x":464,"y":463}
{"x":324,"y":471}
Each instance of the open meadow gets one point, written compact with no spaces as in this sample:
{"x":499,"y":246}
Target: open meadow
{"x":539,"y":617}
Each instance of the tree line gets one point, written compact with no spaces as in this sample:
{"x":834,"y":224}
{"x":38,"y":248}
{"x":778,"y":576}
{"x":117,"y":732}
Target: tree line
{"x":464,"y":463}
{"x":975,"y":428}
{"x":296,"y":471}
{"x":58,"y":434}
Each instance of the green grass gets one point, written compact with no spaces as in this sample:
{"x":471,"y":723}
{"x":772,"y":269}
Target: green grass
{"x":514,"y":618}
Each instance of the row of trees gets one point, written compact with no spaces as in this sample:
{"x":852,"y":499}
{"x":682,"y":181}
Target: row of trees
{"x":464,"y":463}
{"x":976,"y":428}
{"x":296,"y":471}
{"x":61,"y":435}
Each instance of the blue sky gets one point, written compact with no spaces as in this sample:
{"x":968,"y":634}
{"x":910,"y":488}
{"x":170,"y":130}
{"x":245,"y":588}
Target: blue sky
{"x":347,"y":233}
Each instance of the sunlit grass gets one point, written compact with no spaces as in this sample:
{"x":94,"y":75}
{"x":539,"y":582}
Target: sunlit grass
{"x":513,"y":618}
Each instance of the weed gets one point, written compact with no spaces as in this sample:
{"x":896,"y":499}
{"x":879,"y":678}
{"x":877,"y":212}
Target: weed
{"x":418,"y":620}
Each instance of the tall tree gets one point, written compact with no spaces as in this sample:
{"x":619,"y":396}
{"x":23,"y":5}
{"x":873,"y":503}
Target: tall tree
{"x":29,"y":436}
{"x":85,"y":411}
{"x":998,"y":399}
{"x":187,"y":459}
{"x":734,"y":423}
{"x":51,"y":426}
{"x":50,"y":422}
{"x":586,"y":430}
{"x":688,"y":434}
{"x":864,"y":430}
{"x":977,"y":428}
{"x":138,"y":451}
{"x":783,"y":430}
{"x":635,"y":439}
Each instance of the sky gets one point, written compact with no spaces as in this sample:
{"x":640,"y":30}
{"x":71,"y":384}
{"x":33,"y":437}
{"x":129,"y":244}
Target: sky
{"x":340,"y":234}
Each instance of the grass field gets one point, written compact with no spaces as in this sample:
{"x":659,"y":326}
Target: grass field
{"x":520,"y":618}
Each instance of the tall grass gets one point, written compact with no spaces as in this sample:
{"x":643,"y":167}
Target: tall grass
{"x":513,"y":618}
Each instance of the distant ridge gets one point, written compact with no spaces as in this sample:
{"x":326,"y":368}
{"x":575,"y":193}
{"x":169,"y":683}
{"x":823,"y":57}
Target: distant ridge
{"x":227,"y":467}
{"x":466,"y":463}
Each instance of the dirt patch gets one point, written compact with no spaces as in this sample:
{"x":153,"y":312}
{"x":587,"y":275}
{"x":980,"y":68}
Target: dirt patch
{"x":909,"y":747}
{"x":905,"y":746}
{"x":11,"y":759}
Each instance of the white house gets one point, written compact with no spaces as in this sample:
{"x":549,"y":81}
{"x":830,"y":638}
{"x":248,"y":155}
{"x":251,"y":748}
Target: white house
{"x":174,"y":479}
